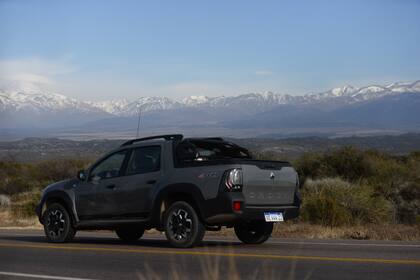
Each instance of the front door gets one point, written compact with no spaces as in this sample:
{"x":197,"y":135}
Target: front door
{"x":96,"y":197}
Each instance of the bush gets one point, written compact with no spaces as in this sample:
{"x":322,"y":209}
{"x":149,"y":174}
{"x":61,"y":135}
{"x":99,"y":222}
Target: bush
{"x":348,"y":163}
{"x":368,"y":186}
{"x":394,"y":178}
{"x":23,"y":205}
{"x":334,"y":202}
{"x":57,"y":170}
{"x":16,"y":178}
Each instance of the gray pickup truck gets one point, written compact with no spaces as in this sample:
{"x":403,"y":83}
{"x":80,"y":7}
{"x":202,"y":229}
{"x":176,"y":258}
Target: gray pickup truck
{"x":183,"y":186}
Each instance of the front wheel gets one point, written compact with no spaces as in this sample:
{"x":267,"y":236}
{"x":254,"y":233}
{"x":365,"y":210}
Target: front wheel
{"x":183,"y":227}
{"x":255,"y":232}
{"x":57,"y":224}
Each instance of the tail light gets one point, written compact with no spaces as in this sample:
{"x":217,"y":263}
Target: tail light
{"x":233,"y":180}
{"x":237,"y":206}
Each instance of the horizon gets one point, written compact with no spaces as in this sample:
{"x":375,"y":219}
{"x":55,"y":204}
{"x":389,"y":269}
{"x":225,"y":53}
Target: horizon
{"x":33,"y":88}
{"x":95,"y":51}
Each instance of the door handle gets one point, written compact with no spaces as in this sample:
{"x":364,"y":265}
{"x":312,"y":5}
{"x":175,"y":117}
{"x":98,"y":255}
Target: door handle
{"x":112,"y":187}
{"x":151,"y":182}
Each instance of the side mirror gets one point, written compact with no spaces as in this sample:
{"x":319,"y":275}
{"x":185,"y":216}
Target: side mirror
{"x":81,"y":175}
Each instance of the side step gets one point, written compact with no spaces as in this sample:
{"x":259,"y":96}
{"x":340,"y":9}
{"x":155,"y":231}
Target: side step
{"x":109,"y":224}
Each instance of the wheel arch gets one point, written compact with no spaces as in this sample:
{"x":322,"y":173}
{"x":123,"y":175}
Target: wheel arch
{"x":189,"y":193}
{"x":61,"y":198}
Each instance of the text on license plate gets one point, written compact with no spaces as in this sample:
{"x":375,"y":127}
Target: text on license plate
{"x":273,"y":216}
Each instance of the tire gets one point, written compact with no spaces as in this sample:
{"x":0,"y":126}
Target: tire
{"x":255,"y":232}
{"x":130,"y":234}
{"x":57,"y":223}
{"x":183,"y":227}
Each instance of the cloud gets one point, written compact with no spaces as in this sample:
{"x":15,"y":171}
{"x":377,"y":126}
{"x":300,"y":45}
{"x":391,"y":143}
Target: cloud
{"x":33,"y":71}
{"x":30,"y":78}
{"x":263,"y":73}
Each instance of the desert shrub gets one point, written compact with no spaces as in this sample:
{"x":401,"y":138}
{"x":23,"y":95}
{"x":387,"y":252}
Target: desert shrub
{"x":56,"y":170}
{"x":394,"y":178}
{"x":348,"y":163}
{"x":15,"y":185}
{"x":311,"y":165}
{"x":397,"y":180}
{"x":16,"y":178}
{"x":23,"y":204}
{"x":334,"y":202}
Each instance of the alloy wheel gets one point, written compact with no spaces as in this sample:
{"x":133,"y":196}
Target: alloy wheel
{"x":56,"y":223}
{"x":180,"y":225}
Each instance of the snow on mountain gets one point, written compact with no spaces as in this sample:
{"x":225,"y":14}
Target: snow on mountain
{"x":371,"y":89}
{"x":29,"y":98}
{"x":39,"y":102}
{"x":125,"y":108}
{"x":195,"y":100}
{"x":343,"y":91}
{"x":110,"y":106}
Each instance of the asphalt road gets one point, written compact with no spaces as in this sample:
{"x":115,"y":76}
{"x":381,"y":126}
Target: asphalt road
{"x":100,"y":255}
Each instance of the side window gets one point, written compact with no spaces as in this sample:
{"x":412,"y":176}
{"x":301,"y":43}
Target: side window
{"x":144,"y":160}
{"x":109,"y":167}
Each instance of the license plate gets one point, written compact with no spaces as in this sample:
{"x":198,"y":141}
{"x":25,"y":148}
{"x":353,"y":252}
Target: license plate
{"x":273,"y":216}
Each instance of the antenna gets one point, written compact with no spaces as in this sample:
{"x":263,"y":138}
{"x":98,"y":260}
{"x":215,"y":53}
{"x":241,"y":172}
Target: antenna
{"x":138,"y":122}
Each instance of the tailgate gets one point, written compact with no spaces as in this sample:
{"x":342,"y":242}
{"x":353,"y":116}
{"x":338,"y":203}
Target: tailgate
{"x":268,"y":184}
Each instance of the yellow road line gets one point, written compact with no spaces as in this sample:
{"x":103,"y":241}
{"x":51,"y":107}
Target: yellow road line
{"x":222,"y":254}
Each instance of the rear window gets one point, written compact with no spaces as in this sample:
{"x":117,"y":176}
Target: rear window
{"x":206,"y":150}
{"x":144,"y":160}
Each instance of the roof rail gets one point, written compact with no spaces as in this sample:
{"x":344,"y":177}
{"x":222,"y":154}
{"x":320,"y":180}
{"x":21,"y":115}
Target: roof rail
{"x":166,"y":137}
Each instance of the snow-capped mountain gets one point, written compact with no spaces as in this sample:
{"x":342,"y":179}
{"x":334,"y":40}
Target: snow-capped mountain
{"x":32,"y":107}
{"x":257,"y":102}
{"x":38,"y":101}
{"x":124,"y":107}
{"x":376,"y":107}
{"x":30,"y":98}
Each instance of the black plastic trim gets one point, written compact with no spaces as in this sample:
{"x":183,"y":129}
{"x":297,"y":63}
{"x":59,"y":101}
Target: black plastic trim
{"x":167,"y":137}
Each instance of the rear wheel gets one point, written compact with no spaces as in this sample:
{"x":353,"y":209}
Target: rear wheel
{"x":183,"y":227}
{"x":255,"y":232}
{"x":58,"y":227}
{"x":130,"y":234}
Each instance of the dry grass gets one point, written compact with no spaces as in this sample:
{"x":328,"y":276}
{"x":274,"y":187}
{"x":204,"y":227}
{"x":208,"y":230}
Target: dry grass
{"x":368,"y":232}
{"x":10,"y":221}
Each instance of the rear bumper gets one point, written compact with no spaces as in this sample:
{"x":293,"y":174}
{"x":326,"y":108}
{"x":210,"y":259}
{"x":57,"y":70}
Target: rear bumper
{"x":220,"y":210}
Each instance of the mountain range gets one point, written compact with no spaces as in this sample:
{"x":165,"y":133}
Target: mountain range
{"x":393,"y":108}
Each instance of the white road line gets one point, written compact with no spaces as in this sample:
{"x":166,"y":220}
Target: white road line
{"x":39,"y":276}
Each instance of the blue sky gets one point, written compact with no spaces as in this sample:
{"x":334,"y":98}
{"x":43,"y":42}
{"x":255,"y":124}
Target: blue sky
{"x":111,"y":49}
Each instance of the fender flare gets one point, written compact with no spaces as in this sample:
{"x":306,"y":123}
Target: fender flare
{"x":63,"y":198}
{"x":189,"y":190}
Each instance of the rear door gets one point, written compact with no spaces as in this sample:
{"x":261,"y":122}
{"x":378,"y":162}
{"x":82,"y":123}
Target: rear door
{"x":268,"y":183}
{"x":142,"y":174}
